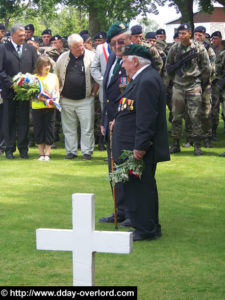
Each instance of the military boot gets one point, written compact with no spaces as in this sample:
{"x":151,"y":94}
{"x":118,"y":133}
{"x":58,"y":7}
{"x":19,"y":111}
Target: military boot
{"x":214,"y":137}
{"x":197,"y":148}
{"x":175,"y":146}
{"x":188,"y":143}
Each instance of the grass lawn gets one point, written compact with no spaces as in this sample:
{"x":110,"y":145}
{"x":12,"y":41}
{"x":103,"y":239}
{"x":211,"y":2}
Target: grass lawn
{"x":188,"y":262}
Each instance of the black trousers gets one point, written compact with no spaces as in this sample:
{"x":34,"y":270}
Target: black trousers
{"x":2,"y":142}
{"x":16,"y":124}
{"x":141,"y":198}
{"x":44,"y":121}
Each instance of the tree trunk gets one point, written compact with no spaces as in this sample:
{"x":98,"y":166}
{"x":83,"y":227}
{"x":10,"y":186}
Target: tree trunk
{"x":186,"y":9}
{"x":94,"y":25}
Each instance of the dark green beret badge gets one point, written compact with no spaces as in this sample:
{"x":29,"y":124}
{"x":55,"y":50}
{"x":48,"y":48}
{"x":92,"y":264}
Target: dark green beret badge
{"x":115,"y":29}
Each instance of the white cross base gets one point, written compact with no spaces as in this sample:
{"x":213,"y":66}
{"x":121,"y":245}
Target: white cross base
{"x":83,"y":240}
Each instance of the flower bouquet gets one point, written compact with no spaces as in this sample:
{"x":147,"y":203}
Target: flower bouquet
{"x":25,"y":86}
{"x":129,"y":167}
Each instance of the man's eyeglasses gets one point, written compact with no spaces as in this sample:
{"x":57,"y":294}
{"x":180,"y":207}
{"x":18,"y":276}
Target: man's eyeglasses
{"x":119,"y":42}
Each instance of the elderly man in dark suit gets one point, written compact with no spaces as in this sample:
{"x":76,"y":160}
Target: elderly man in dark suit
{"x":140,"y":125}
{"x":115,"y":80}
{"x":15,"y":56}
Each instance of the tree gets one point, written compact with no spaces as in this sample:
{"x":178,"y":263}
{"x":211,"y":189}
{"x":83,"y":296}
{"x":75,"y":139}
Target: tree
{"x":185,"y":7}
{"x":103,"y":13}
{"x":12,"y":8}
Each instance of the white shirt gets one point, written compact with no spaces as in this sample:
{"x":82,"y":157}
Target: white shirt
{"x":15,"y":46}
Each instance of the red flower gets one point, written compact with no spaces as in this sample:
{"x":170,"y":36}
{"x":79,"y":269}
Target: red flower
{"x":130,"y":172}
{"x":21,"y":81}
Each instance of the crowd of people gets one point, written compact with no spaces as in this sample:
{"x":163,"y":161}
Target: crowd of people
{"x":119,"y":81}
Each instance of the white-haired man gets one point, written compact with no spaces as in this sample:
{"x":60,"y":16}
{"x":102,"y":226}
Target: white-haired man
{"x":140,"y":126}
{"x":73,"y":71}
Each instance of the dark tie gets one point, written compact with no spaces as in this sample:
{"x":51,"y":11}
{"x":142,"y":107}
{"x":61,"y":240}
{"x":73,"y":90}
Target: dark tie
{"x":117,"y":65}
{"x":19,"y":51}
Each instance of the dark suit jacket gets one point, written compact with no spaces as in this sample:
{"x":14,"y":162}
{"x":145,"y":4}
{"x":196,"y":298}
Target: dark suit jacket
{"x":144,"y":127}
{"x":11,"y":64}
{"x":111,"y":92}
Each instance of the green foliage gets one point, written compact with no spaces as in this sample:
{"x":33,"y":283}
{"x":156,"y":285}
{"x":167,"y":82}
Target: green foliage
{"x":129,"y":167}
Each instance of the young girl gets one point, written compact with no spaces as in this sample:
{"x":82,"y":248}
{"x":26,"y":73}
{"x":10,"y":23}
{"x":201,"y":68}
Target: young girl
{"x":42,"y":113}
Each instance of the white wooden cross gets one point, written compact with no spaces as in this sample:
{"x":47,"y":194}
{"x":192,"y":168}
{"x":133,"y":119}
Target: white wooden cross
{"x":83,"y":240}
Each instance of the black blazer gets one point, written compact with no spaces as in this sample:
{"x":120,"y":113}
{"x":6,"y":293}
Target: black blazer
{"x":111,"y":92}
{"x":144,"y":126}
{"x":11,"y":64}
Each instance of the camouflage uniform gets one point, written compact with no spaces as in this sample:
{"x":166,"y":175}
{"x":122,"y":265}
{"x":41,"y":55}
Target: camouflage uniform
{"x":220,"y":73}
{"x":158,"y":62}
{"x":206,"y":103}
{"x":188,"y":81}
{"x":215,"y":96}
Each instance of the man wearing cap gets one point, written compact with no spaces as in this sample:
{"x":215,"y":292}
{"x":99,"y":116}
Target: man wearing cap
{"x":199,"y":36}
{"x":29,"y":31}
{"x":100,"y":38}
{"x":76,"y":84}
{"x":98,"y":68}
{"x":114,"y":82}
{"x":140,"y":126}
{"x":15,"y":56}
{"x":137,"y":38}
{"x":216,"y":38}
{"x":46,"y":35}
{"x":150,"y":38}
{"x":189,"y":67}
{"x":161,"y":40}
{"x":87,"y":40}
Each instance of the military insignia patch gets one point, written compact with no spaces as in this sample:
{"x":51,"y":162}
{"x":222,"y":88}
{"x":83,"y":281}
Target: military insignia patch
{"x":122,"y":26}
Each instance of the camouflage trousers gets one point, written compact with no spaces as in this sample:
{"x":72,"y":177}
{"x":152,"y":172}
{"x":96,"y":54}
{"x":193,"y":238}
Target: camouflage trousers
{"x":205,"y":115}
{"x":187,"y":100}
{"x":215,"y":106}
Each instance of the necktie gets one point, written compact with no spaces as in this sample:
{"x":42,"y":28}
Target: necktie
{"x":19,"y":51}
{"x":117,"y":65}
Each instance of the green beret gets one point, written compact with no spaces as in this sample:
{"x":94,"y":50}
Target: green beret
{"x":137,"y":50}
{"x":115,"y":29}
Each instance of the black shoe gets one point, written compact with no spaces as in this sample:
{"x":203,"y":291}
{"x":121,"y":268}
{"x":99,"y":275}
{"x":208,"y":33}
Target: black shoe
{"x":24,"y":155}
{"x":101,"y":146}
{"x":70,"y":156}
{"x":126,"y":223}
{"x":142,"y":236}
{"x":53,"y":146}
{"x":222,"y":154}
{"x":9,"y":155}
{"x":175,"y":146}
{"x":111,"y":219}
{"x":86,"y":157}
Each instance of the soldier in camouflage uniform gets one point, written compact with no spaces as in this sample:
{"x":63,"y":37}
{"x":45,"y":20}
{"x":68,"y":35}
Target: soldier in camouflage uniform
{"x":189,"y":67}
{"x":218,"y":48}
{"x":137,"y":38}
{"x":199,"y":36}
{"x":161,"y":37}
{"x":220,"y":81}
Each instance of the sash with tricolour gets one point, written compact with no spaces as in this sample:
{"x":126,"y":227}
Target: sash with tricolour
{"x":126,"y":104}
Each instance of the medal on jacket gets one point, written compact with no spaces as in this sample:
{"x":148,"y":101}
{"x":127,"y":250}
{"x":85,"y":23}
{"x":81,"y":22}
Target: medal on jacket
{"x":126,"y":104}
{"x":124,"y":81}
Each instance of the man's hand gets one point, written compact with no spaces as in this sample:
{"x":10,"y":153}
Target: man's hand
{"x":139,"y":154}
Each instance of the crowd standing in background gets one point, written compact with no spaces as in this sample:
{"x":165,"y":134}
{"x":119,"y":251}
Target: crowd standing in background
{"x":113,"y":89}
{"x":192,"y":69}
